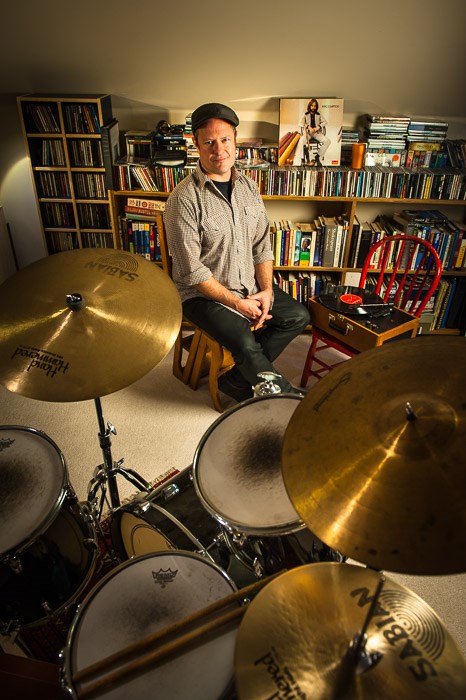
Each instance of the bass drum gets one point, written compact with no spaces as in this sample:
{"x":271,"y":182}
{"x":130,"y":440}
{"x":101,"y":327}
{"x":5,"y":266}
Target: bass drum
{"x":134,"y":601}
{"x":48,"y":545}
{"x":171,"y":517}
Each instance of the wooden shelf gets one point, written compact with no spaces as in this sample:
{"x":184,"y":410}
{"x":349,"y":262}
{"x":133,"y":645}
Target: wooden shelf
{"x":69,"y":222}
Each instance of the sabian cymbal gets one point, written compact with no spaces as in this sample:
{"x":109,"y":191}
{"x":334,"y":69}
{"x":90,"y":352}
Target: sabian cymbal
{"x":294,"y":638}
{"x":373,"y":457}
{"x":55,"y":346}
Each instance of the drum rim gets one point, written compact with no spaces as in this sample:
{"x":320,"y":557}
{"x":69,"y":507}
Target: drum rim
{"x":234,"y":526}
{"x":65,"y":485}
{"x":65,"y":656}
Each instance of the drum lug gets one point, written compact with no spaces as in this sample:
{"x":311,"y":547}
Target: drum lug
{"x":15,"y":565}
{"x":239,"y":539}
{"x":258,"y":568}
{"x":87,"y":511}
{"x":170,"y":492}
{"x":46,"y":608}
{"x":10,"y":629}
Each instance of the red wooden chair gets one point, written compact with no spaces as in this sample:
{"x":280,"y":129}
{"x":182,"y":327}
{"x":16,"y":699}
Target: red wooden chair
{"x":408,"y":269}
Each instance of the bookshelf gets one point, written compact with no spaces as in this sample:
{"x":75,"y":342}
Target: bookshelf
{"x":302,"y":209}
{"x":71,"y":141}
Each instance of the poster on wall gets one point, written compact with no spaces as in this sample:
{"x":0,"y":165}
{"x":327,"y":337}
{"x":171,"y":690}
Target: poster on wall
{"x":310,"y":131}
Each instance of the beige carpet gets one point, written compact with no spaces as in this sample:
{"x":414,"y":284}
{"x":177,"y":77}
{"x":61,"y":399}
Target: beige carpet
{"x":159,"y":423}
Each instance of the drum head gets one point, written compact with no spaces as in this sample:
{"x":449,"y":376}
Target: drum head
{"x":32,"y":477}
{"x":136,"y":599}
{"x":237,"y":467}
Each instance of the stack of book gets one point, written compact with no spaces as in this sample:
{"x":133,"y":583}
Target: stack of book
{"x":425,"y":141}
{"x":427,"y":130}
{"x":385,"y":136}
{"x":348,"y":137}
{"x":139,"y":143}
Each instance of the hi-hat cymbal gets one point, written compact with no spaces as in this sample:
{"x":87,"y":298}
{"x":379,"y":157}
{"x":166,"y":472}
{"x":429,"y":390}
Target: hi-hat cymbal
{"x":373,"y":457}
{"x":294,"y":638}
{"x":85,"y":323}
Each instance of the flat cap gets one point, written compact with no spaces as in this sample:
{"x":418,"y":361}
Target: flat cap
{"x":212,"y":110}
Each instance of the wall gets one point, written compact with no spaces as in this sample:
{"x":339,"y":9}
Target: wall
{"x":159,"y":61}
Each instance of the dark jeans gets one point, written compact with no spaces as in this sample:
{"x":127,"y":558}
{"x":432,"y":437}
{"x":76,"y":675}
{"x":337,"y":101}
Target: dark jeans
{"x":253,"y":352}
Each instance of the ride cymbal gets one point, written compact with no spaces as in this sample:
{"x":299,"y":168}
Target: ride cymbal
{"x":373,"y":457}
{"x":85,"y":323}
{"x":294,"y":639}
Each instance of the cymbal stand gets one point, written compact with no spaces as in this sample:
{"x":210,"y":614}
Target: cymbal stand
{"x":357,"y":659}
{"x":357,"y":653}
{"x":105,"y":474}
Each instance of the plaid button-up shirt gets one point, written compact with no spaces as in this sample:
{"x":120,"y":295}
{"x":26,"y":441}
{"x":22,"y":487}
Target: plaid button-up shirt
{"x":207,"y":235}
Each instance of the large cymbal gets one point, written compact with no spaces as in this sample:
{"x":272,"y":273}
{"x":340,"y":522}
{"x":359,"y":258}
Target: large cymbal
{"x":293,"y":640}
{"x":373,"y":457}
{"x":57,"y":349}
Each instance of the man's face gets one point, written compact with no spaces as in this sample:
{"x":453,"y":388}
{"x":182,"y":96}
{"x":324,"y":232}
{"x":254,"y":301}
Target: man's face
{"x":216,"y":143}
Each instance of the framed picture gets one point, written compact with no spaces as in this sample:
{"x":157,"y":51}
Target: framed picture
{"x":310,"y":131}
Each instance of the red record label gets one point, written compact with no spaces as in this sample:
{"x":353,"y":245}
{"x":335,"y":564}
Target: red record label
{"x":353,"y":299}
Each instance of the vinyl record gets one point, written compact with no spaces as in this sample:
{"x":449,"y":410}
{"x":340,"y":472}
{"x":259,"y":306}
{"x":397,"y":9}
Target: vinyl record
{"x":351,"y":301}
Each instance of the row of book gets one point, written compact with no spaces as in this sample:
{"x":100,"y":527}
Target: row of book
{"x":319,"y":243}
{"x":134,"y":173}
{"x":81,"y":118}
{"x":93,"y":215}
{"x":140,"y":237}
{"x":51,"y":154}
{"x":446,"y":312}
{"x":303,"y":285}
{"x":342,"y":181}
{"x":60,"y":241}
{"x":369,"y":182}
{"x":322,"y":242}
{"x":445,"y":309}
{"x":57,"y":215}
{"x":61,"y":215}
{"x":85,"y":153}
{"x":41,"y":118}
{"x":53,"y":184}
{"x":138,"y":227}
{"x":448,"y":237}
{"x":89,"y":185}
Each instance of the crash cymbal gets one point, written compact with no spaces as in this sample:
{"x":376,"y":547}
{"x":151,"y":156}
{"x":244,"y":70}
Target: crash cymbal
{"x":84,"y":323}
{"x":294,"y":638}
{"x":373,"y":457}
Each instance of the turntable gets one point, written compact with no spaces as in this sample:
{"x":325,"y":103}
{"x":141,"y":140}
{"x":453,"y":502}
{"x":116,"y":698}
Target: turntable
{"x":360,"y":317}
{"x":353,"y":301}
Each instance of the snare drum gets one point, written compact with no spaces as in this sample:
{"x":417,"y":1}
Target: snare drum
{"x":171,"y":517}
{"x":238,"y":477}
{"x":134,"y":600}
{"x":47,"y":546}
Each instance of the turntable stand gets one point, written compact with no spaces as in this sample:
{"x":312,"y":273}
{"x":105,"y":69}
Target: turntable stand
{"x":363,"y":334}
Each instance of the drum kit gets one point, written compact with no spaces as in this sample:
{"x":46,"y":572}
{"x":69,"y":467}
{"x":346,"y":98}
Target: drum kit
{"x":258,"y":572}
